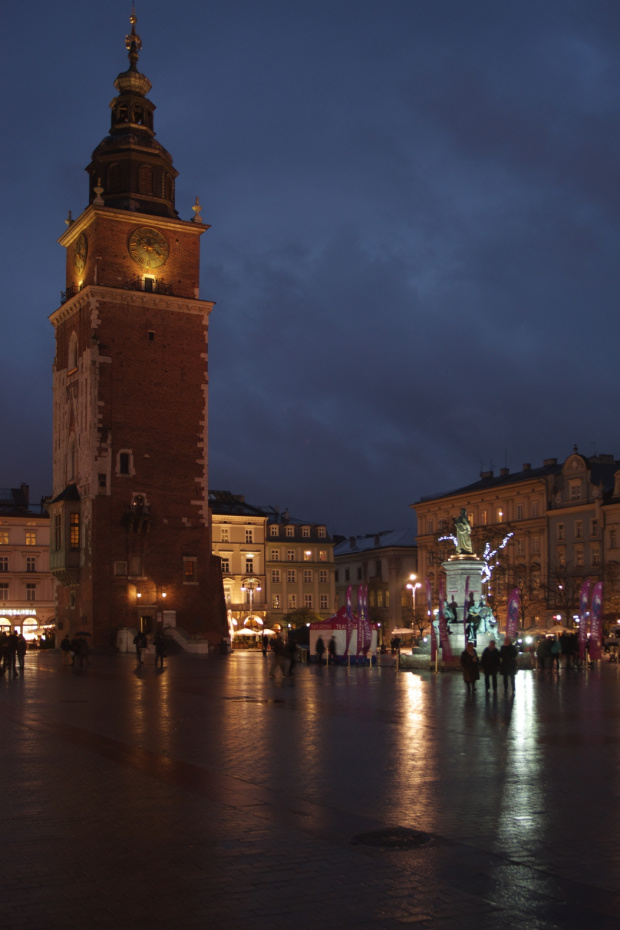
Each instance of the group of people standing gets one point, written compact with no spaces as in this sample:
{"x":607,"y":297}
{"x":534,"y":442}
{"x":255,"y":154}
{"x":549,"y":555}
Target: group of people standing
{"x":13,"y":648}
{"x":493,"y":662}
{"x":141,"y":643}
{"x":76,"y":648}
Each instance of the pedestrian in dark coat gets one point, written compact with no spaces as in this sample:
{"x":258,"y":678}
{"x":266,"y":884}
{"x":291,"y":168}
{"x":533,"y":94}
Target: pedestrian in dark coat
{"x":12,"y":651}
{"x":508,"y":663}
{"x":291,"y":651}
{"x":320,"y":650}
{"x":160,"y":648}
{"x":22,"y":645}
{"x":140,"y":642}
{"x":469,"y":664}
{"x":490,"y":663}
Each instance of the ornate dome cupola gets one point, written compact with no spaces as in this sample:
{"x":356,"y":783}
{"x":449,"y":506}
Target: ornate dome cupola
{"x":130,"y":170}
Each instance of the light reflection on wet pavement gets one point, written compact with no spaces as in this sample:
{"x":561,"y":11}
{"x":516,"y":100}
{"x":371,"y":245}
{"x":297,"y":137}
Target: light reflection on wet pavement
{"x":208,"y":794}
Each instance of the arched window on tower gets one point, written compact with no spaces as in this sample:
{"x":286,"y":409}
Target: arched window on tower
{"x":167,"y":187}
{"x":114,"y":176}
{"x":138,"y":114}
{"x":73,"y":352}
{"x":145,"y":180}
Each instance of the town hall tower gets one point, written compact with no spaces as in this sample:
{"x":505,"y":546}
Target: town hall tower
{"x":130,"y":534}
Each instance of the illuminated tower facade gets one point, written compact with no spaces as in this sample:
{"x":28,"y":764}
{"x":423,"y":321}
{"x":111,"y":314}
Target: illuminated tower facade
{"x":130,"y":531}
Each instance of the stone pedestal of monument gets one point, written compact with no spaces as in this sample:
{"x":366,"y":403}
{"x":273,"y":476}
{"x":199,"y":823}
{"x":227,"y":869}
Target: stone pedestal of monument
{"x":459,"y":568}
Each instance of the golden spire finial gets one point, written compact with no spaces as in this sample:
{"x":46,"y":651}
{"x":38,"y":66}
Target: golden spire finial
{"x":133,"y":42}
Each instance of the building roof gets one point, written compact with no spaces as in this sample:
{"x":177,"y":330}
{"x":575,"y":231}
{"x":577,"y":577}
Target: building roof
{"x":601,"y":468}
{"x":14,"y":502}
{"x":224,"y":503}
{"x":388,"y":539}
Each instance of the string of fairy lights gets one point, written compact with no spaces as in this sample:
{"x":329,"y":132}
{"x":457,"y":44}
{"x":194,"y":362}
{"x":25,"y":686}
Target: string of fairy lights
{"x":490,"y":557}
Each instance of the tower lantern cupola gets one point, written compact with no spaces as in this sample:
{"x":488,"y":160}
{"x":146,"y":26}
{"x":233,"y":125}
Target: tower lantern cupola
{"x":135,"y":172}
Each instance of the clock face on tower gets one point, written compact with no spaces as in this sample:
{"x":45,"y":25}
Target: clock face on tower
{"x":79,"y":256}
{"x":148,"y":247}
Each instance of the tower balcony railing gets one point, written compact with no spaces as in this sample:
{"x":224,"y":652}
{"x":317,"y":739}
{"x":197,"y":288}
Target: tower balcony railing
{"x":149,"y":285}
{"x":71,"y":291}
{"x":146,"y":285}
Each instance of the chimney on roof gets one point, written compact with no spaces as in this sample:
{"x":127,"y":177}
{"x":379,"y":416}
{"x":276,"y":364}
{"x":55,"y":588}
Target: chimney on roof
{"x":527,"y":466}
{"x":377,"y":540}
{"x":503,"y":472}
{"x":25,"y":489}
{"x":352,"y":542}
{"x":486,"y":474}
{"x":547,"y":462}
{"x":285,"y":515}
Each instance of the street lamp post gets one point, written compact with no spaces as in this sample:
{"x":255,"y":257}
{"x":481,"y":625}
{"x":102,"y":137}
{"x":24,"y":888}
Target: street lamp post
{"x":251,"y":587}
{"x":413,"y":586}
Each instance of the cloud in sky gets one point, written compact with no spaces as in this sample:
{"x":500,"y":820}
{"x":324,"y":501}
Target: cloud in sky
{"x":415,"y":230}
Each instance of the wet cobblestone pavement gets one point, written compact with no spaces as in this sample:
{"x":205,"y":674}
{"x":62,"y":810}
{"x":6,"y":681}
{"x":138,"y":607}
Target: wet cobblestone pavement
{"x":208,"y":795}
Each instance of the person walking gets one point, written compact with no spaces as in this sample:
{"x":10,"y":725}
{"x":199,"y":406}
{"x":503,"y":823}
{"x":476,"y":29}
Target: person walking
{"x":320,"y":650}
{"x":160,"y":648}
{"x":4,"y":652}
{"x":22,"y":646}
{"x":140,"y":642}
{"x":469,"y":664}
{"x":508,"y":663}
{"x":291,"y":652}
{"x":278,"y":656}
{"x":490,"y":663}
{"x":65,"y":648}
{"x":12,"y":651}
{"x":555,"y":653}
{"x":542,"y":653}
{"x":331,"y":651}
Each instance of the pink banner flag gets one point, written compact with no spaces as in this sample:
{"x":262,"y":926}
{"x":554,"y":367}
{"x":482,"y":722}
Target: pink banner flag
{"x":512,"y":613}
{"x":596,"y":621}
{"x":350,"y":620}
{"x":444,"y":636}
{"x":584,"y":601}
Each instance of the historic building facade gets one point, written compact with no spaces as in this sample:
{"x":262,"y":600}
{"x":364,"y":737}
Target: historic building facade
{"x":26,"y":585}
{"x":558,"y":524}
{"x":388,"y":564}
{"x":130,"y":530}
{"x":239,"y":542}
{"x":299,"y":567}
{"x":272,"y":564}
